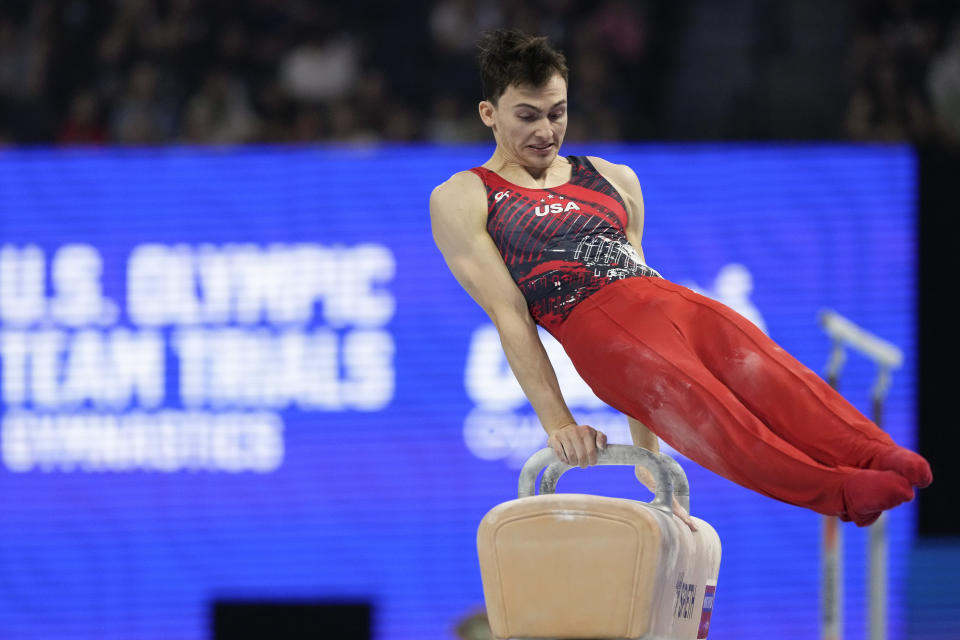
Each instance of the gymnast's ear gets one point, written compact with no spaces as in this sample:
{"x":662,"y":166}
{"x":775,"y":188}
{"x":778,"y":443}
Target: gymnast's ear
{"x":487,"y":111}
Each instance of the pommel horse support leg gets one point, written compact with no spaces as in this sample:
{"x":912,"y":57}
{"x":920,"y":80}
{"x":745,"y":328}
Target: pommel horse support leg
{"x":585,"y":566}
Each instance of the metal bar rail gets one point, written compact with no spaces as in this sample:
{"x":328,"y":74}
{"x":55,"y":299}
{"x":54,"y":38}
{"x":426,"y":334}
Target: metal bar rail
{"x":669,"y":475}
{"x":846,"y":334}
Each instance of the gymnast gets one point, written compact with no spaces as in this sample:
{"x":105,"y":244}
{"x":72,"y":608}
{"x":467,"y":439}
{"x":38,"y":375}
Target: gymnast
{"x":538,"y":238}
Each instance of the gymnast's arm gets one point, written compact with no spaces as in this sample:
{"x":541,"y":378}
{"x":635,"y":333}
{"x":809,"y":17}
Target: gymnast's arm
{"x":458,"y":214}
{"x":624,"y":179}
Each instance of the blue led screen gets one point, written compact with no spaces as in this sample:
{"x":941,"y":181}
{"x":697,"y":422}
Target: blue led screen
{"x":248,"y":374}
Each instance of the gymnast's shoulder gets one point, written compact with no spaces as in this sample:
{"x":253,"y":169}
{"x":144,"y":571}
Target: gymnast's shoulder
{"x":462,"y":190}
{"x":620,"y":172}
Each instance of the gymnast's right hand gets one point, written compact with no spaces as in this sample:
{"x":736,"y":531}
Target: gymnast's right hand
{"x":646,"y":479}
{"x":577,"y":444}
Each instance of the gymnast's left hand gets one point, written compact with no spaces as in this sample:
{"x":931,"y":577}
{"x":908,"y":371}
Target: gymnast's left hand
{"x":577,"y":444}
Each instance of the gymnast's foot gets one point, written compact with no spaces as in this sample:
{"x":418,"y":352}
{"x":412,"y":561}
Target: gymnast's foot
{"x":868,"y":493}
{"x":908,"y":464}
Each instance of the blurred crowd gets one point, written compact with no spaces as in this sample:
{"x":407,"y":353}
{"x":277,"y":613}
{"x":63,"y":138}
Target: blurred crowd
{"x":147,"y":72}
{"x":905,"y":60}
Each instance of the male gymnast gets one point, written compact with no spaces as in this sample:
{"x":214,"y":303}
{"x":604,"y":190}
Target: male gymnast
{"x":538,"y":238}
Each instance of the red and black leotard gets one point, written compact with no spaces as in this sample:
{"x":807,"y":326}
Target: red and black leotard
{"x":561,"y":244}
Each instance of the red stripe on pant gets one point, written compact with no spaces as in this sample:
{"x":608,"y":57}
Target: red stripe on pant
{"x":718,"y":390}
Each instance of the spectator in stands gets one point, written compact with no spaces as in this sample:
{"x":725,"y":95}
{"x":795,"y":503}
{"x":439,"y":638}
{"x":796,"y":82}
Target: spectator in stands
{"x":143,"y":115}
{"x":887,"y":109}
{"x":83,"y":124}
{"x":24,"y":65}
{"x":323,"y":67}
{"x":219,"y":112}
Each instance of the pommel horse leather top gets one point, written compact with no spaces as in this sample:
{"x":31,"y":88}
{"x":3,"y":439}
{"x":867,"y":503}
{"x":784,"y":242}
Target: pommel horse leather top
{"x":585,"y":566}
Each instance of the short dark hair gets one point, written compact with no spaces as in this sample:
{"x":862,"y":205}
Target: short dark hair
{"x":510,"y":57}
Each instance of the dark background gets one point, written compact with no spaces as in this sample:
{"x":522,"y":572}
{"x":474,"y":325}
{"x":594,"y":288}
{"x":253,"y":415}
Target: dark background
{"x":938,"y":337}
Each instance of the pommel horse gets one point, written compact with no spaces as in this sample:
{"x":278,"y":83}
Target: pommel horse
{"x":591,"y":567}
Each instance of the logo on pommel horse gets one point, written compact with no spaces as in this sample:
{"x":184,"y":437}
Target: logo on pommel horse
{"x":686,"y":596}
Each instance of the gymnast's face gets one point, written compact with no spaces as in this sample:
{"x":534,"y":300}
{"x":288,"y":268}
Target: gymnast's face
{"x":529,"y":122}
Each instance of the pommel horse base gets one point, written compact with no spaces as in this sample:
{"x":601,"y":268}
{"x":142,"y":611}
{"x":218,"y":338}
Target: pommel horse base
{"x":595,"y":567}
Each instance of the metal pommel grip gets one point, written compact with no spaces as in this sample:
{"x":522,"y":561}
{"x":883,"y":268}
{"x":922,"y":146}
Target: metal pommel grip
{"x":668,"y":474}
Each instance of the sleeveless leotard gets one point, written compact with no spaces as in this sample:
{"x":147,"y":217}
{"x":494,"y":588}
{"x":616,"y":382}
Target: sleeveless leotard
{"x":564,"y":243}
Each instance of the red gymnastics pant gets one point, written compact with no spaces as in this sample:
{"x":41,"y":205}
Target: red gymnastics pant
{"x":718,"y":390}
